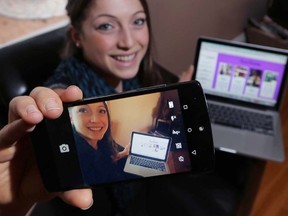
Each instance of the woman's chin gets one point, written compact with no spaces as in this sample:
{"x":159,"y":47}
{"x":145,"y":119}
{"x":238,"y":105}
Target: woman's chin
{"x":127,"y":73}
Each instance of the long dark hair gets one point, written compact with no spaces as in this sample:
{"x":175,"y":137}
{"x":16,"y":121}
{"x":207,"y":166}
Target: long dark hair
{"x":107,"y":143}
{"x":77,"y":11}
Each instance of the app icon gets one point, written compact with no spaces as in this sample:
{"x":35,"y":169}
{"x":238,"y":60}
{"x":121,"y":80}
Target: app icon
{"x":173,"y":118}
{"x":175,"y":132}
{"x":181,"y":158}
{"x":170,"y":104}
{"x":178,"y":145}
{"x":64,"y":148}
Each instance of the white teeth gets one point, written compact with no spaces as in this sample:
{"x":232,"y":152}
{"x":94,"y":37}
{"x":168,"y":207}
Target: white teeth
{"x":94,"y":129}
{"x":125,"y":58}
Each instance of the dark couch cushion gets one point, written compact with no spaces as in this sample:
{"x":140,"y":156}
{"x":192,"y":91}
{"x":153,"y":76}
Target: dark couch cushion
{"x":28,"y":64}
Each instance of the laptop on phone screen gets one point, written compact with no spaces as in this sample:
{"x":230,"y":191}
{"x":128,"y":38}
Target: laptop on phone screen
{"x":243,"y":84}
{"x":148,"y":155}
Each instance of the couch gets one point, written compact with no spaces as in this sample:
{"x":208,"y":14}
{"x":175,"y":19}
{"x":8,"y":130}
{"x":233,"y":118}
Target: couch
{"x":27,"y":64}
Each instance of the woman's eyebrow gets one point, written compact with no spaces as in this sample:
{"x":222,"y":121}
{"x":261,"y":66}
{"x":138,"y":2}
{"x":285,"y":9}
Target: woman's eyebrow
{"x":140,"y":11}
{"x":115,"y":17}
{"x":102,"y":106}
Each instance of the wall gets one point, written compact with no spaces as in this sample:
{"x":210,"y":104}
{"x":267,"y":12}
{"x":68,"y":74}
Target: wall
{"x":133,"y":114}
{"x":178,"y":23}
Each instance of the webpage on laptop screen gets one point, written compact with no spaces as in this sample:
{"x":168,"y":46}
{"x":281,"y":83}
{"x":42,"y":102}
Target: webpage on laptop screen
{"x":240,"y":73}
{"x":150,"y":146}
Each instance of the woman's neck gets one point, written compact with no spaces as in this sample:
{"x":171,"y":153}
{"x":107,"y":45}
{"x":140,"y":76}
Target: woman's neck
{"x":93,"y":144}
{"x":113,"y":81}
{"x":119,"y":87}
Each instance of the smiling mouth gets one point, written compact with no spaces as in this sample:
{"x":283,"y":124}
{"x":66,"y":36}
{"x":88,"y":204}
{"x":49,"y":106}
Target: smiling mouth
{"x":95,"y":129}
{"x":124,"y":58}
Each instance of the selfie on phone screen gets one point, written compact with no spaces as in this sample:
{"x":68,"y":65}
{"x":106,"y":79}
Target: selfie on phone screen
{"x":128,"y":138}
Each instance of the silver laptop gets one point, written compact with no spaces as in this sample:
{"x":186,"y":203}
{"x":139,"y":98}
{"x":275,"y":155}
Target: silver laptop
{"x":148,"y":155}
{"x":243,"y":84}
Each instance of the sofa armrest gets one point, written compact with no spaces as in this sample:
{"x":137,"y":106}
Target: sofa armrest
{"x":28,"y":64}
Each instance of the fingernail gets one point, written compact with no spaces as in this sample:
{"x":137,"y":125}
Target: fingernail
{"x":88,"y":206}
{"x":31,"y":109}
{"x":31,"y":129}
{"x":52,"y":105}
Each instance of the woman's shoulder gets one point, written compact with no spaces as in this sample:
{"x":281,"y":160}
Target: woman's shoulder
{"x":62,"y":74}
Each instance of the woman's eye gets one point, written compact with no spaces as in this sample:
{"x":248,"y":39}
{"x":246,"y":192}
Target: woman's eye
{"x":102,"y":111}
{"x":140,"y":22}
{"x":105,"y":27}
{"x":82,"y":110}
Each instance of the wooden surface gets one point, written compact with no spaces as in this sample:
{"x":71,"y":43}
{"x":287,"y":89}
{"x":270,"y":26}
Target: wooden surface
{"x":17,"y":29}
{"x":272,"y":196}
{"x":266,"y":190}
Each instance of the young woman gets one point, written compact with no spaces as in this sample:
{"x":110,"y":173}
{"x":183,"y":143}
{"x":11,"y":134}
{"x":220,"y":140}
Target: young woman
{"x":108,"y":51}
{"x":109,"y":48}
{"x":101,"y":158}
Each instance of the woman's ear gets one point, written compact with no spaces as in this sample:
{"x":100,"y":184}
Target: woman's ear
{"x":75,"y":36}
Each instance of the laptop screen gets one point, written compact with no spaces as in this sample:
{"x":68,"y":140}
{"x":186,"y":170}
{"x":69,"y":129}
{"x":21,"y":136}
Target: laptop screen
{"x":151,"y":146}
{"x":240,"y":71}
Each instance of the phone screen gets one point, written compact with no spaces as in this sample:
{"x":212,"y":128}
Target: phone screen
{"x":134,"y":136}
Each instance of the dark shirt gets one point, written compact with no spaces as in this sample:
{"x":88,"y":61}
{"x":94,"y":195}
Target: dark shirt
{"x":97,"y":165}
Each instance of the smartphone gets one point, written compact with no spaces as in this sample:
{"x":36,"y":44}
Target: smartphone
{"x":145,"y":133}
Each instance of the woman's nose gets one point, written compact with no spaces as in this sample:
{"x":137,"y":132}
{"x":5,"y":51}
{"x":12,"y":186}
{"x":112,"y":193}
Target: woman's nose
{"x":93,"y":118}
{"x":126,"y":39}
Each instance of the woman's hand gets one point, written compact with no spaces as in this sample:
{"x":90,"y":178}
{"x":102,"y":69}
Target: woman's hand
{"x":187,"y":74}
{"x":123,"y":153}
{"x":20,"y":182}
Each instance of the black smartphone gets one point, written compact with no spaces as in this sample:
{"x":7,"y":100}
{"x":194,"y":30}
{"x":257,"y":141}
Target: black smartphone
{"x":149,"y":132}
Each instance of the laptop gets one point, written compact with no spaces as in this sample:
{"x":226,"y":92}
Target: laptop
{"x":244,"y":85}
{"x":148,"y":155}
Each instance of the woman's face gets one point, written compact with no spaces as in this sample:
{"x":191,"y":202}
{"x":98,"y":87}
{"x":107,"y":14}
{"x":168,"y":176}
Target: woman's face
{"x":115,"y":37}
{"x":90,"y":121}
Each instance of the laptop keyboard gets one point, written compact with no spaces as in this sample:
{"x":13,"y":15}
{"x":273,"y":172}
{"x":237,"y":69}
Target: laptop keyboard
{"x":241,"y":119}
{"x":147,"y":163}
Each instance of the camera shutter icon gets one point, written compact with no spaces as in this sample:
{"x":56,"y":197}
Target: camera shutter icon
{"x":64,"y":148}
